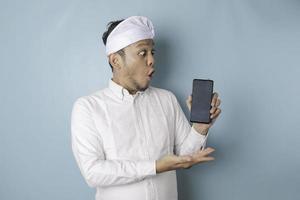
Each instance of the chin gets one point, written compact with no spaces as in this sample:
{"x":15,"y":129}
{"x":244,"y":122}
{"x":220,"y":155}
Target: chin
{"x":144,"y":87}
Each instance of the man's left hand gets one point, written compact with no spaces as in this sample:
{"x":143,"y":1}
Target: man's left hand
{"x":215,"y":111}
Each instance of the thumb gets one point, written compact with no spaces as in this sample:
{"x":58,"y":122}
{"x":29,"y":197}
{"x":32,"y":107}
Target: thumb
{"x":189,"y":102}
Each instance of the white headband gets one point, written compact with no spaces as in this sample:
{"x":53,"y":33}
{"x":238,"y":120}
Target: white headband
{"x":129,"y":31}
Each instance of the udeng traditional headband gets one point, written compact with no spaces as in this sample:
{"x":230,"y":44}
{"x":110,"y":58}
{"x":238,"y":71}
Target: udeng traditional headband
{"x":129,"y":31}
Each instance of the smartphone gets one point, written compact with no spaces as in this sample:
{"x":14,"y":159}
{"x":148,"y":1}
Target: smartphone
{"x":201,"y":100}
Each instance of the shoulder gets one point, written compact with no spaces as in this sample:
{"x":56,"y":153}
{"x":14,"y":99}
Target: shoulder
{"x":92,"y":100}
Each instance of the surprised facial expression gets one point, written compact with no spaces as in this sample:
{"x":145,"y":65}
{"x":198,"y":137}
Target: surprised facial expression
{"x":138,"y":65}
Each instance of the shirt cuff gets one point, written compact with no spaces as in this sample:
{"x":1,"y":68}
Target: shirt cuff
{"x":147,"y":168}
{"x":197,"y":137}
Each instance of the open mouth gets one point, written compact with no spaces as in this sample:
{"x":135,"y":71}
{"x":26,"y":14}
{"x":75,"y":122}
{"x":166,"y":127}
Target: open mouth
{"x":150,"y":75}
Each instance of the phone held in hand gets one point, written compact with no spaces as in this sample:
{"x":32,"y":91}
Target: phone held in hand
{"x":201,"y":101}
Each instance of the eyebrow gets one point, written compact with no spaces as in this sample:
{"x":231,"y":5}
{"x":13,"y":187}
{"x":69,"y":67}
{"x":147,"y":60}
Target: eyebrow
{"x":141,"y":44}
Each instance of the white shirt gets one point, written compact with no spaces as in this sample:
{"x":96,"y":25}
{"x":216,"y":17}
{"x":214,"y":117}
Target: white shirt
{"x":117,"y":137}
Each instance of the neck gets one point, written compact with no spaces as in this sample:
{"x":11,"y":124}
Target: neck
{"x":120,"y":82}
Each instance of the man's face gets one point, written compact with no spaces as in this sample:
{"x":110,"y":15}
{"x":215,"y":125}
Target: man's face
{"x":138,"y":65}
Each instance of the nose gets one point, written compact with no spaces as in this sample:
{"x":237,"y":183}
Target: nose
{"x":150,"y":60}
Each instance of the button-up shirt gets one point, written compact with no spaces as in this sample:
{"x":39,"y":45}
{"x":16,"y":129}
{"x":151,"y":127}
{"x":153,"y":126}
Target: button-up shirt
{"x":117,"y":137}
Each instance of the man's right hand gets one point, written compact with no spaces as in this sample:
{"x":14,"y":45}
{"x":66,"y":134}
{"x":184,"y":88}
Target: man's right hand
{"x":173,"y":162}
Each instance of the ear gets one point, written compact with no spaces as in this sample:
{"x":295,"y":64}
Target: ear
{"x":115,"y":61}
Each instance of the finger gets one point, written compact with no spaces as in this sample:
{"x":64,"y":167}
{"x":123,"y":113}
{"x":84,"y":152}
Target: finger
{"x":202,"y":153}
{"x":187,"y":165}
{"x":213,"y":109}
{"x":218,"y":102}
{"x":199,"y":151}
{"x":206,"y":151}
{"x":216,"y":114}
{"x":214,"y":99}
{"x":206,"y":159}
{"x":189,"y":102}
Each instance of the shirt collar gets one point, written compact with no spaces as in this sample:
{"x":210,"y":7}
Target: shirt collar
{"x":122,"y":92}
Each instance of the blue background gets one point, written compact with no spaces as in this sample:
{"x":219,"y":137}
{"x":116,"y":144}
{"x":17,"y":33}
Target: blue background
{"x":51,"y":53}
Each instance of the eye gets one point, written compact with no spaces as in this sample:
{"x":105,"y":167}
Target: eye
{"x":153,"y":51}
{"x":142,"y":53}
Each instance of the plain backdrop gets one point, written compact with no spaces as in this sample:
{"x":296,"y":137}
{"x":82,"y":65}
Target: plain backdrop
{"x":51,"y":53}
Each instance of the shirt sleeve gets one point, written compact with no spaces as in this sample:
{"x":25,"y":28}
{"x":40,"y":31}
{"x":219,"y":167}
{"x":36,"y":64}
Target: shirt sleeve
{"x":187,"y":139}
{"x":89,"y":154}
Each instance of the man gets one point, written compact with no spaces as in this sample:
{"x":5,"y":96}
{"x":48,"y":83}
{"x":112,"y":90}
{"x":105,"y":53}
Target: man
{"x":129,"y":138}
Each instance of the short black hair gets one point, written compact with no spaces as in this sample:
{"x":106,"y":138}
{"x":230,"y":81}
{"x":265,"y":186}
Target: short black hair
{"x":110,"y":27}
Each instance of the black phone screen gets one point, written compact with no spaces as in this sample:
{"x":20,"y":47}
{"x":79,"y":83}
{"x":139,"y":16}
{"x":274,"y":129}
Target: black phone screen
{"x":201,"y":100}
